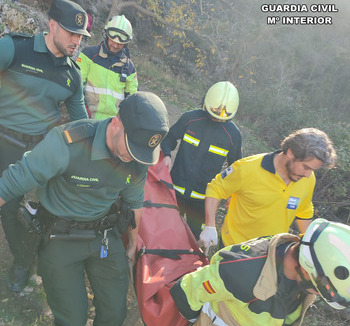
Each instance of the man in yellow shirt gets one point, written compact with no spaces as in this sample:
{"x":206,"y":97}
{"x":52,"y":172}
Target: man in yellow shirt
{"x":268,"y":190}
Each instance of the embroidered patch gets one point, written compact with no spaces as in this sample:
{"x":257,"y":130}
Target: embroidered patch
{"x":226,"y":172}
{"x":207,"y":286}
{"x":293,"y":202}
{"x":79,"y":19}
{"x":154,"y":140}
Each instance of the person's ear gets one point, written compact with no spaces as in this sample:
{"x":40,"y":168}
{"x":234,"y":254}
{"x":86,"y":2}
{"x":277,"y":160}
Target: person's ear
{"x":117,"y":122}
{"x":52,"y":25}
{"x":290,"y":154}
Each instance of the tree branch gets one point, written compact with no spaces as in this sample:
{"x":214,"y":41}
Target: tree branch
{"x":117,"y":6}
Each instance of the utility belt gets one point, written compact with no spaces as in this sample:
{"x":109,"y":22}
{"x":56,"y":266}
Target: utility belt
{"x":36,"y":219}
{"x":19,"y":139}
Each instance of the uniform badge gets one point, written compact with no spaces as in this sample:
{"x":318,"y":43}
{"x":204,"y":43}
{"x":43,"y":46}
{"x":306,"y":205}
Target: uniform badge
{"x":293,"y":202}
{"x":79,"y":19}
{"x":226,"y":172}
{"x":154,"y":140}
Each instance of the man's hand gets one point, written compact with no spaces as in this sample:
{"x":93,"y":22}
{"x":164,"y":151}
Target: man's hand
{"x":208,"y":237}
{"x":167,"y":162}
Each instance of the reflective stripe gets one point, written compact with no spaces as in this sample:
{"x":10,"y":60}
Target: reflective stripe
{"x":197,"y":195}
{"x":191,"y":140}
{"x":194,"y":194}
{"x":217,"y":321}
{"x":179,"y":189}
{"x":218,"y":150}
{"x":104,"y":91}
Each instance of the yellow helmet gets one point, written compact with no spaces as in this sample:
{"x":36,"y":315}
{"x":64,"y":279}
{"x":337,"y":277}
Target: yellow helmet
{"x":222,"y":100}
{"x":325,"y":255}
{"x":119,"y":29}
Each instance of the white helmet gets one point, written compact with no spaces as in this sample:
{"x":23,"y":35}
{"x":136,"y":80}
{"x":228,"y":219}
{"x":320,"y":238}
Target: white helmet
{"x":119,"y":29}
{"x":325,"y":255}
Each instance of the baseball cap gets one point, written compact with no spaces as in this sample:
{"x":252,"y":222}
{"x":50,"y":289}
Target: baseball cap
{"x":70,"y":16}
{"x":145,"y":121}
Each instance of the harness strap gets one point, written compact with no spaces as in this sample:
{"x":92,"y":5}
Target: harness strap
{"x":169,"y":253}
{"x":148,"y":204}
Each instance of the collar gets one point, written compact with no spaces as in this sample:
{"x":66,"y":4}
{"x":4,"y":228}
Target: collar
{"x":105,"y":53}
{"x":267,"y":161}
{"x":267,"y":283}
{"x":100,"y":150}
{"x":40,"y":46}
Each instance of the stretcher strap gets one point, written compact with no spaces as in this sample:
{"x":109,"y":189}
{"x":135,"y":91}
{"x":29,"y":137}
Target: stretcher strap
{"x":169,"y":253}
{"x":148,"y":203}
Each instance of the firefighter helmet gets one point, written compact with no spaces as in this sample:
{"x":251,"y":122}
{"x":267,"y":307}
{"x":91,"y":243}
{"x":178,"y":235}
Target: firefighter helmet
{"x":325,"y":255}
{"x":119,"y":29}
{"x":222,"y":100}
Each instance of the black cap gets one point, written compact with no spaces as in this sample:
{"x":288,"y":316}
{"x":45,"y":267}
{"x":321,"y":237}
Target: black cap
{"x":70,"y":16}
{"x":145,"y":121}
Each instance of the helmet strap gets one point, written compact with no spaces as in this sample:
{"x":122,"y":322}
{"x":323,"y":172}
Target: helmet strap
{"x":305,"y":284}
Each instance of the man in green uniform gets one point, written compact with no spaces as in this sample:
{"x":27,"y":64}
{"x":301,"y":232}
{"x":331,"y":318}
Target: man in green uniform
{"x":80,"y":169}
{"x":36,"y":75}
{"x":269,"y":280}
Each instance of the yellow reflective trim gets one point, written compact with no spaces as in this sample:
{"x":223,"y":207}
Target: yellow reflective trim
{"x":179,"y":189}
{"x":191,"y":140}
{"x":218,"y":150}
{"x":195,"y":194}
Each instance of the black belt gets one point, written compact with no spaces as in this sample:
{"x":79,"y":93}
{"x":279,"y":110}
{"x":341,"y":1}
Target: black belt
{"x":22,"y":137}
{"x":62,"y":224}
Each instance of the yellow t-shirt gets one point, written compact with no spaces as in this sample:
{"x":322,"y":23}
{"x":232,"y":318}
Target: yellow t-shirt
{"x":261,"y":203}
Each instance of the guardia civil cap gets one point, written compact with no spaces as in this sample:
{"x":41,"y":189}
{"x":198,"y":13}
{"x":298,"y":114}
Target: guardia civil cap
{"x":70,"y":16}
{"x":145,"y":120}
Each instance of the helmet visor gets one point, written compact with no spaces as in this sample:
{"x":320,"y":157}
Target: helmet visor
{"x":115,"y":33}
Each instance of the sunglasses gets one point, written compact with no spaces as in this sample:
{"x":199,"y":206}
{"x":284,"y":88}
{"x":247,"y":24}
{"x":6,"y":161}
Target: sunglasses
{"x":116,"y":33}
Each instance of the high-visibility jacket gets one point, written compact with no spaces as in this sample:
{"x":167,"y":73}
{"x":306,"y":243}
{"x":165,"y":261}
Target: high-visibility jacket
{"x":244,"y":285}
{"x":107,"y":79}
{"x":205,"y":145}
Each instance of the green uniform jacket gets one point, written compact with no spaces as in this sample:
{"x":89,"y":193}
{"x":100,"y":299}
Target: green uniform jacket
{"x":33,"y":83}
{"x":104,"y":85}
{"x":78,"y":180}
{"x":246,"y":284}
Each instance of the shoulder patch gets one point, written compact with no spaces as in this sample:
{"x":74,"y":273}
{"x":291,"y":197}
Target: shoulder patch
{"x":78,"y":133}
{"x":226,"y":172}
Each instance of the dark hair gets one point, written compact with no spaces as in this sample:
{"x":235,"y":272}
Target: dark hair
{"x":310,"y":142}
